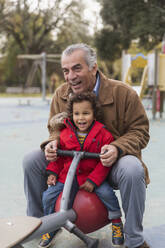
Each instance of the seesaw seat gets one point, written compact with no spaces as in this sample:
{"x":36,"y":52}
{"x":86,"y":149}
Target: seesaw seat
{"x":91,"y":213}
{"x":16,"y":229}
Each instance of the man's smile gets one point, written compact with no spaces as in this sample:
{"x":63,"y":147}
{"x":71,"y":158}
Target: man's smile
{"x":75,"y":83}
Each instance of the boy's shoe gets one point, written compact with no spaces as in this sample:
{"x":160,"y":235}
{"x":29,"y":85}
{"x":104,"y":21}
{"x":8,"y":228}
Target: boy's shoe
{"x":117,"y":234}
{"x":47,"y":239}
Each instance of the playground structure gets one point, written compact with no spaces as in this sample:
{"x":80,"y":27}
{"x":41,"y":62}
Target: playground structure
{"x":39,"y":61}
{"x":152,"y":80}
{"x":129,"y":64}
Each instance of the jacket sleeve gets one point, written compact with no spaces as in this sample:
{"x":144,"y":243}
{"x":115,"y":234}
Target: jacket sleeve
{"x":100,"y":173}
{"x":56,"y":166}
{"x":54,"y":109}
{"x":136,"y":127}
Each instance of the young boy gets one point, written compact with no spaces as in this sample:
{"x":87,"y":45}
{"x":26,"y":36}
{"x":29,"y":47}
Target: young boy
{"x":83,"y":132}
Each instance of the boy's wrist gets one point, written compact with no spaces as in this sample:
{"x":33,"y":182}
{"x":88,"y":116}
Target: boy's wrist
{"x":48,"y":172}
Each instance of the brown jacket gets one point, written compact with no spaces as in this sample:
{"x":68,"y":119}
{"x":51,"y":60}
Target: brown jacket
{"x":123,"y":115}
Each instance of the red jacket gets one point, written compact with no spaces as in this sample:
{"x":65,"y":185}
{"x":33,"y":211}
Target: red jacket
{"x":91,"y":169}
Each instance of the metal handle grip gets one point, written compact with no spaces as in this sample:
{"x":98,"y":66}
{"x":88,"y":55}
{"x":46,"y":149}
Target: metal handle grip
{"x":72,"y":154}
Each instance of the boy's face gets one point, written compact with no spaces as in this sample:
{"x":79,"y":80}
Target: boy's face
{"x":77,"y":73}
{"x":83,"y":115}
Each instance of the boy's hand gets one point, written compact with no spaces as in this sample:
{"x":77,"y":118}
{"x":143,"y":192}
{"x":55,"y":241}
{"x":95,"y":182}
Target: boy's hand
{"x":51,"y":150}
{"x":87,"y":186}
{"x":51,"y":180}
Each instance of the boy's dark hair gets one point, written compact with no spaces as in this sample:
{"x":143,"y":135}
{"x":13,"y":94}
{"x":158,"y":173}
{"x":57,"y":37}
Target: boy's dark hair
{"x":86,"y":96}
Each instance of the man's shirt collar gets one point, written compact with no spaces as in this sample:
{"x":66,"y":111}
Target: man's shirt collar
{"x":97,"y":85}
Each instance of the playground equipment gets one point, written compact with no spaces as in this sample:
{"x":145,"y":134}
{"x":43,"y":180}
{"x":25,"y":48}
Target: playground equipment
{"x":132,"y":63}
{"x":159,"y":85}
{"x":19,"y":230}
{"x":153,"y":76}
{"x":39,"y":61}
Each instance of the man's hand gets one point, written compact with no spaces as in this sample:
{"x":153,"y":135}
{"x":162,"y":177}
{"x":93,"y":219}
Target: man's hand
{"x":87,"y":186}
{"x":51,"y":150}
{"x":51,"y":180}
{"x":109,"y":154}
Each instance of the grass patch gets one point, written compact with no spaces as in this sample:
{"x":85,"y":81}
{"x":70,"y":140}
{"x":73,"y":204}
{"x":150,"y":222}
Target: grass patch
{"x":7,"y":95}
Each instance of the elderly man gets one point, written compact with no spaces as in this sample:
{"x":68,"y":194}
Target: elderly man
{"x":123,"y":115}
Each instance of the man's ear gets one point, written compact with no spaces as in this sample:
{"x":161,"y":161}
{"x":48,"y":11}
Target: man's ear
{"x":94,"y":69}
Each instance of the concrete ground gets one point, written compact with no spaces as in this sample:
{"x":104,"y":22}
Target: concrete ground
{"x":23,"y":128}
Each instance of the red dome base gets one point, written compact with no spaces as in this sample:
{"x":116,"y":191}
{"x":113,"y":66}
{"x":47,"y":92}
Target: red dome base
{"x":91,"y":213}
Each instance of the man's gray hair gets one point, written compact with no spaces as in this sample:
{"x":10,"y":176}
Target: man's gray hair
{"x":90,"y":54}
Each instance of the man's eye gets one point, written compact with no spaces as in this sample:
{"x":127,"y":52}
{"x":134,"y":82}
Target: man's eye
{"x":65,"y":71}
{"x":77,"y":68}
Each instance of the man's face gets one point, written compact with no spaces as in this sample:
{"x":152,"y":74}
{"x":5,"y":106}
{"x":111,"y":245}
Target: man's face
{"x":77,"y":73}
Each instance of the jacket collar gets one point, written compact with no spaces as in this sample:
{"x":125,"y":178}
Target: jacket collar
{"x":71,"y":125}
{"x":66,"y":92}
{"x":91,"y":136}
{"x":105,"y":92}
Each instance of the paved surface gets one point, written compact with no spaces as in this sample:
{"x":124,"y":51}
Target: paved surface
{"x":23,"y":128}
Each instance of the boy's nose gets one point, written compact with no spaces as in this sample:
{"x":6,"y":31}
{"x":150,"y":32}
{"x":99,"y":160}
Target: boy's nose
{"x":81,"y":117}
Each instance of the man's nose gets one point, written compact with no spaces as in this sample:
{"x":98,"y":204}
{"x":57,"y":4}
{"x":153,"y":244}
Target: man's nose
{"x":71,"y":75}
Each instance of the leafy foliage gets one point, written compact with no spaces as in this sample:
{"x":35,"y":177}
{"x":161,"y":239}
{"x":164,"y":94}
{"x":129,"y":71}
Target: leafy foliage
{"x":33,"y":30}
{"x":125,"y":21}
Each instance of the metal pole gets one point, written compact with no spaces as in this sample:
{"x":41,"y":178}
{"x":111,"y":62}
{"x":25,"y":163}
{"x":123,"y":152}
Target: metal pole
{"x":69,"y":180}
{"x":43,"y":69}
{"x":51,"y":223}
{"x":162,"y":92}
{"x":154,"y":98}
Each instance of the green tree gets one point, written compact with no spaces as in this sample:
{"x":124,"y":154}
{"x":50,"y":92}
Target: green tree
{"x":34,"y":30}
{"x":125,"y":21}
